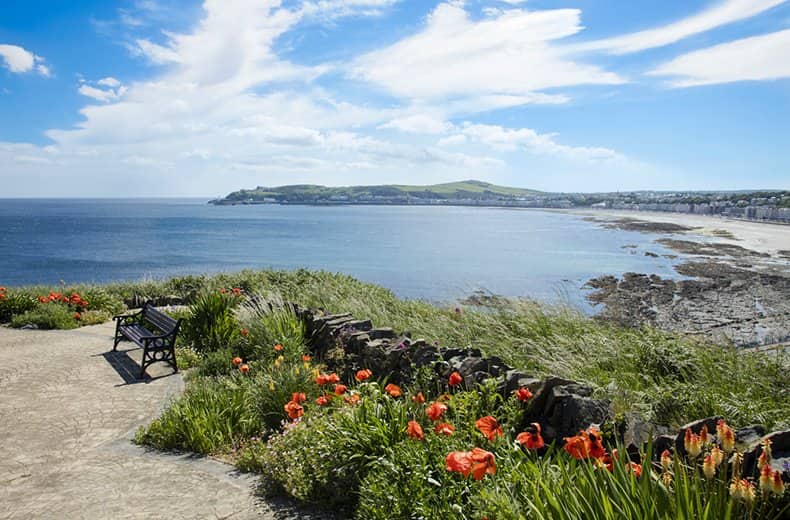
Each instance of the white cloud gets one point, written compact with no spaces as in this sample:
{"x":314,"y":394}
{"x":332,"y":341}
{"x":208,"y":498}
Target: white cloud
{"x":418,"y":124}
{"x":109,"y":82}
{"x":510,"y":53}
{"x":722,"y":13}
{"x":508,"y":139}
{"x":18,"y":59}
{"x":99,"y":94}
{"x":763,"y":57}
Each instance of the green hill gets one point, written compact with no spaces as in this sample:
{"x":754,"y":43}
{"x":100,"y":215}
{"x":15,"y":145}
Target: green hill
{"x":310,"y":193}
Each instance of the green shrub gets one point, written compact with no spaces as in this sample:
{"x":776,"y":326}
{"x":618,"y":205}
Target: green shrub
{"x":216,"y":363}
{"x":99,"y":299}
{"x":15,"y":303}
{"x":94,"y":317}
{"x":47,"y":316}
{"x":211,"y":324}
{"x":210,"y":417}
{"x":274,"y":386}
{"x":187,"y":358}
{"x":269,"y":324}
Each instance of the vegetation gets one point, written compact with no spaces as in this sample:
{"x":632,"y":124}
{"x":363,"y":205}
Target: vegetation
{"x":311,"y":193}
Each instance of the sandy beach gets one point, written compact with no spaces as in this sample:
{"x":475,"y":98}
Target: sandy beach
{"x":763,"y":237}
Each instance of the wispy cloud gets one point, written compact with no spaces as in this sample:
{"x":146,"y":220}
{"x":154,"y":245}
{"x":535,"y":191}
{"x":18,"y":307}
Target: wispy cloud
{"x":763,"y":57}
{"x":722,"y":13}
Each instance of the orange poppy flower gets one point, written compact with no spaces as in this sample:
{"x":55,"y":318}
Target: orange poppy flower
{"x":321,"y":379}
{"x":523,"y":394}
{"x":306,"y":358}
{"x":298,"y":397}
{"x":489,"y":427}
{"x":244,"y":368}
{"x":43,"y":299}
{"x":531,"y":440}
{"x":2,"y":289}
{"x":83,"y":303}
{"x":455,"y":379}
{"x":244,"y":332}
{"x":595,"y":446}
{"x":236,"y":291}
{"x":459,"y":462}
{"x":77,"y":316}
{"x":363,"y":375}
{"x":393,"y":389}
{"x":635,"y":468}
{"x":418,"y":398}
{"x":322,"y":400}
{"x":340,"y":389}
{"x":352,"y":399}
{"x":585,"y":445}
{"x":278,"y":347}
{"x":482,"y":463}
{"x":444,"y":429}
{"x":435,"y":410}
{"x":237,"y":361}
{"x":415,"y":431}
{"x":332,"y":378}
{"x":294,"y":409}
{"x":576,"y":446}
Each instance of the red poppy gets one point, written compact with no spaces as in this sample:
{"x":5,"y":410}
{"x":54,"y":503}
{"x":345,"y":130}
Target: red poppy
{"x":223,"y":291}
{"x":340,"y":389}
{"x":352,"y":399}
{"x":298,"y":397}
{"x":482,"y":463}
{"x":306,"y":358}
{"x":531,"y":440}
{"x":77,"y":316}
{"x":278,"y":347}
{"x":393,"y":389}
{"x":244,"y":368}
{"x":595,"y":447}
{"x":489,"y":427}
{"x":2,"y":289}
{"x":576,"y":446}
{"x":236,"y":291}
{"x":322,"y":400}
{"x":294,"y":409}
{"x":459,"y":462}
{"x":363,"y":375}
{"x":321,"y":379}
{"x":635,"y":468}
{"x":418,"y":398}
{"x":585,"y":445}
{"x":43,"y":299}
{"x":415,"y":431}
{"x":84,"y":303}
{"x":237,"y":361}
{"x":523,"y":394}
{"x":444,"y":429}
{"x":435,"y":410}
{"x":455,"y":379}
{"x":244,"y":332}
{"x":332,"y":378}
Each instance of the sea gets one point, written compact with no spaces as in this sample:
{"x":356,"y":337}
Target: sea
{"x":439,"y":254}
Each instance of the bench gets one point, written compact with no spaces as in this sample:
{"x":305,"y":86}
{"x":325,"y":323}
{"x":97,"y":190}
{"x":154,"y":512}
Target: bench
{"x":152,"y":330}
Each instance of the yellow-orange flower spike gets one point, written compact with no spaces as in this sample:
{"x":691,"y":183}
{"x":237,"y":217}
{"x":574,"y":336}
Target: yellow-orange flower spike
{"x":766,"y":479}
{"x":709,"y":467}
{"x":778,"y":485}
{"x":717,"y":455}
{"x":666,"y":460}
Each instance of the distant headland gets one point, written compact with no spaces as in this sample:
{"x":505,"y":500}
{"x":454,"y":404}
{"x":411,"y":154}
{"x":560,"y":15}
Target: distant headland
{"x":773,"y":205}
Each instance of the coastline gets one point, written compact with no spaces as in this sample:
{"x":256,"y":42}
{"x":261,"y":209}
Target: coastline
{"x":763,"y":237}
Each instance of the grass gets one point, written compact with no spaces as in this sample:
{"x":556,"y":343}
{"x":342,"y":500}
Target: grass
{"x":665,"y":377}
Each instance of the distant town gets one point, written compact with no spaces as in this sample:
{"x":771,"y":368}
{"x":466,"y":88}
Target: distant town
{"x":752,"y":205}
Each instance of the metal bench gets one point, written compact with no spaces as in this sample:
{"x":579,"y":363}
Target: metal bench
{"x":152,"y":330}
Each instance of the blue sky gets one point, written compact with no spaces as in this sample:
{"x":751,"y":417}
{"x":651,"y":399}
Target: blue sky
{"x":198,"y":98}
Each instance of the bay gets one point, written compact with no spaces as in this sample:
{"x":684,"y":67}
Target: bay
{"x":432,"y":253}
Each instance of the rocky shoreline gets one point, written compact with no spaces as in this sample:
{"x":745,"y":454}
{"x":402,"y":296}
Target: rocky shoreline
{"x":732,"y":293}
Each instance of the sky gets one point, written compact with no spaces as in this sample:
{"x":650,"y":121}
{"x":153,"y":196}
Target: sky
{"x":199,"y":98}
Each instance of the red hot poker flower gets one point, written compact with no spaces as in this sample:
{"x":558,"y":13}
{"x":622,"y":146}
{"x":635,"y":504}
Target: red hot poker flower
{"x":489,"y":427}
{"x":435,"y":410}
{"x":363,"y":375}
{"x":523,"y":394}
{"x":455,"y":379}
{"x":393,"y":390}
{"x":415,"y":431}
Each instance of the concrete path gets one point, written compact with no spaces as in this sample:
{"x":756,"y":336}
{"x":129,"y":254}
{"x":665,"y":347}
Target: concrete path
{"x":68,"y":409}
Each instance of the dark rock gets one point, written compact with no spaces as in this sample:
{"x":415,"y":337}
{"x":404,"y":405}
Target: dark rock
{"x":746,"y":438}
{"x":572,"y":413}
{"x":425,"y":355}
{"x":661,"y":443}
{"x":381,"y":333}
{"x":695,"y":427}
{"x":471,"y":365}
{"x":360,"y":325}
{"x":538,"y":402}
{"x":780,"y":454}
{"x":514,"y":380}
{"x":636,"y":432}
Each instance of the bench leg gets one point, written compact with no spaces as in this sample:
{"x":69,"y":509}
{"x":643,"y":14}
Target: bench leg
{"x":117,"y":335}
{"x":144,"y":363}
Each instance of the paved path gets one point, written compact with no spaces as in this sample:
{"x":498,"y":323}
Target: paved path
{"x":68,"y":409}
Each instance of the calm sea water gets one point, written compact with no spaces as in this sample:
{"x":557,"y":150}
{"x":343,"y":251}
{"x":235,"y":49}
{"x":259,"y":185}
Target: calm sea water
{"x":433,"y":253}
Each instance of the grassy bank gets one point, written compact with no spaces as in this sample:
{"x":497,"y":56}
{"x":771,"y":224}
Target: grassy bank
{"x":664,"y":377}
